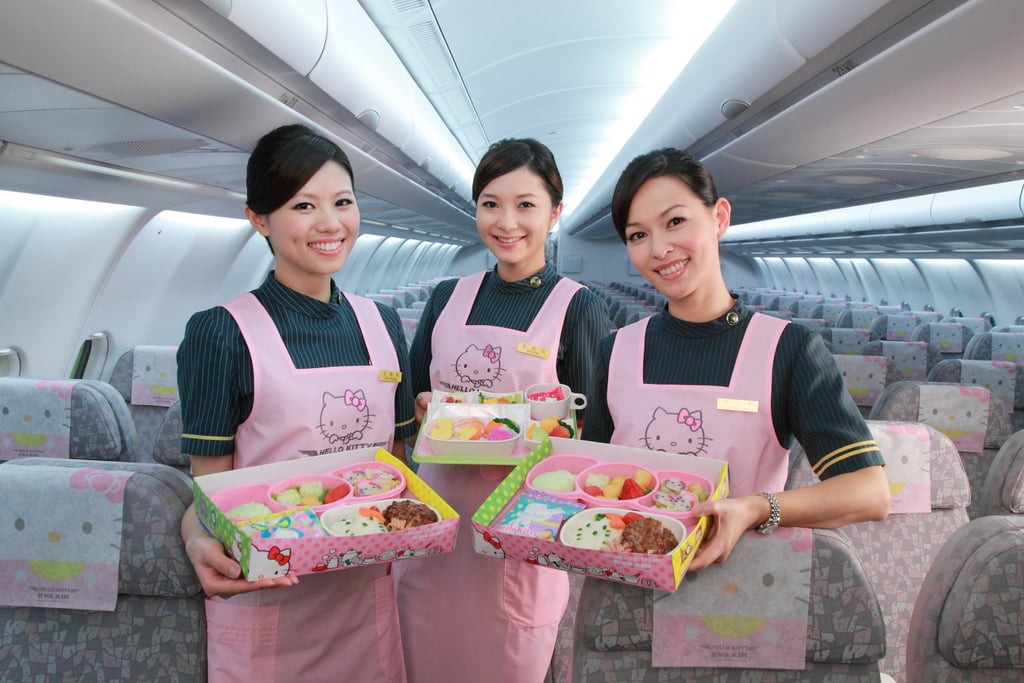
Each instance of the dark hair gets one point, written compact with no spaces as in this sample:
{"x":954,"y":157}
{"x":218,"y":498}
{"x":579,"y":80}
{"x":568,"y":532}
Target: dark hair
{"x":668,"y":161}
{"x":282,"y":163}
{"x":509,"y":154}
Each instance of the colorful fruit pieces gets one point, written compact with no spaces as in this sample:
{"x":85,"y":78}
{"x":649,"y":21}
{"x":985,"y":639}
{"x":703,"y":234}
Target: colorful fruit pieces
{"x":594,"y":491}
{"x":444,"y":428}
{"x":336,"y":494}
{"x":373,"y":512}
{"x":644,"y":478}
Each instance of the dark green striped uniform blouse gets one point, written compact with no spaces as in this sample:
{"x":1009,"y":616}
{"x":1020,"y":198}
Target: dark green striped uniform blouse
{"x":809,"y":399}
{"x":215,"y":380}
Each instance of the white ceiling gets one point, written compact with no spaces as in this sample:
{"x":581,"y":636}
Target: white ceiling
{"x":850,"y":102}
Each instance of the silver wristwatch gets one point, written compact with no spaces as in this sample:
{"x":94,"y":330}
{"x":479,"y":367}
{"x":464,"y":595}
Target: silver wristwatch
{"x":772,"y":523}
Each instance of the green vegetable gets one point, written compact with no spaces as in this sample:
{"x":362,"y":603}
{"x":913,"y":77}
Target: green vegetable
{"x":508,"y":423}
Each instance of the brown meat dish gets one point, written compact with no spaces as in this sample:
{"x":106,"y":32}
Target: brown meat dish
{"x":405,"y":514}
{"x":648,"y":536}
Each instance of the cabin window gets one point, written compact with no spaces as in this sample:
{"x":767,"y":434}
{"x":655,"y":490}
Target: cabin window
{"x":10,"y":362}
{"x":92,"y":357}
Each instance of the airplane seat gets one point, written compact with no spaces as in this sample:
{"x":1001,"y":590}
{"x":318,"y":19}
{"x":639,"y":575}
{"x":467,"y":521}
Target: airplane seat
{"x":1003,"y":491}
{"x":865,"y":378}
{"x":890,"y":309}
{"x":401,"y":297}
{"x":1019,"y":320}
{"x":167,"y":446}
{"x":391,"y":300}
{"x":908,"y":360}
{"x":962,"y":413}
{"x":152,"y":624}
{"x":411,"y":313}
{"x":897,"y":552}
{"x":816,"y":324}
{"x":1014,"y":329}
{"x":846,"y":340}
{"x":977,"y":325}
{"x":1004,"y":379}
{"x":968,"y":621}
{"x":147,"y":379}
{"x":950,"y":338}
{"x":892,"y":327}
{"x":955,"y":312}
{"x":806,"y":304}
{"x":857,"y":318}
{"x":612,"y":630}
{"x":75,"y":419}
{"x":999,"y":347}
{"x":770,"y":302}
{"x":829,"y":312}
{"x":409,"y":326}
{"x":419,"y":306}
{"x":926,"y":315}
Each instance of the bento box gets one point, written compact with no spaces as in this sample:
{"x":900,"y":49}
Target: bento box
{"x":550,"y":511}
{"x":335,"y":511}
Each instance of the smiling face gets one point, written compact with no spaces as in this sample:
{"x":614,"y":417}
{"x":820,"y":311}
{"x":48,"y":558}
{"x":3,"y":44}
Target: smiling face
{"x":312,"y":233}
{"x":514,"y":214}
{"x":672,"y":240}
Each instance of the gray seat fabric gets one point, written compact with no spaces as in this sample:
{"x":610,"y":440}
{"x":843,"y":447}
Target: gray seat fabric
{"x":1003,"y":490}
{"x":845,"y":632}
{"x":897,"y":552}
{"x":100,"y":426}
{"x":957,"y":413}
{"x":157,"y":631}
{"x":147,"y":418}
{"x":167,"y":445}
{"x":951,"y":339}
{"x":968,"y":622}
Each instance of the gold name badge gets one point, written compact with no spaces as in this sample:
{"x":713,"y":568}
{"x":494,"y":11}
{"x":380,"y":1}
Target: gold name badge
{"x":531,"y":350}
{"x":737,"y":405}
{"x":390,"y":375}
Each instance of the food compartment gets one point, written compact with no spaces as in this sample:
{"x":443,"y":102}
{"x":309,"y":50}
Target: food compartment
{"x":605,"y":528}
{"x":372,"y":517}
{"x":371,"y":481}
{"x":617,"y":484}
{"x":253,"y":497}
{"x":677,"y":492}
{"x":552,"y":427}
{"x":315,"y":491}
{"x":558,"y":475}
{"x":472,"y":436}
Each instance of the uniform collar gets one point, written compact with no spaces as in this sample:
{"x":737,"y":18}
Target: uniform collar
{"x":547,"y":276}
{"x":285,"y":297}
{"x":729,"y":320}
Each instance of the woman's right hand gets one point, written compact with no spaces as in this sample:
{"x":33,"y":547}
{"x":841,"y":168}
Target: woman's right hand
{"x":220,"y":574}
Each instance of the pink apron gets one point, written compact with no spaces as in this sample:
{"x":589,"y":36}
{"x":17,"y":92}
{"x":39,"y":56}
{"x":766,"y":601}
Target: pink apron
{"x":466,"y":616}
{"x":339,"y":625}
{"x":732,"y":423}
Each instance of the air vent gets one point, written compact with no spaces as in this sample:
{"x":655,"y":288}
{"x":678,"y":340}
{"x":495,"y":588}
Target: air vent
{"x":427,"y":37}
{"x":144,"y":148}
{"x":407,"y":5}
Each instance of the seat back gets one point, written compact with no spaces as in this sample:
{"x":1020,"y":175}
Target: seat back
{"x":829,"y":312}
{"x":79,"y":419}
{"x":950,"y":338}
{"x":897,"y":552}
{"x":864,"y":376}
{"x":968,"y":621}
{"x":1003,"y":346}
{"x":846,"y":340}
{"x":147,"y":379}
{"x":1003,"y":490}
{"x":976,"y":424}
{"x":908,"y":360}
{"x":894,"y":327}
{"x":1004,"y":379}
{"x":157,"y":631}
{"x":845,"y":634}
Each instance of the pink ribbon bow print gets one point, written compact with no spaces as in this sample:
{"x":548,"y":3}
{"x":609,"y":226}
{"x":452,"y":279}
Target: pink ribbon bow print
{"x":357,"y":399}
{"x":691,"y":421}
{"x":278,"y":556}
{"x":492,"y":354}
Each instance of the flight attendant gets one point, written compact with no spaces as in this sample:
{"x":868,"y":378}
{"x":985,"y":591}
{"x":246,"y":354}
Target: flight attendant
{"x":466,"y":616}
{"x":255,"y":376}
{"x":706,"y":377}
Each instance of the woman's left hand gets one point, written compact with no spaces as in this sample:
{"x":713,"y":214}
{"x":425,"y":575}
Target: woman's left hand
{"x":730,"y":519}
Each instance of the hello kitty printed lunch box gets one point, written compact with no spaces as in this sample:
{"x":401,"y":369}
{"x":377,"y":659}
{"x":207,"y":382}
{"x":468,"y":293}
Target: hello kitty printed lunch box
{"x":292,"y":540}
{"x":565,"y":468}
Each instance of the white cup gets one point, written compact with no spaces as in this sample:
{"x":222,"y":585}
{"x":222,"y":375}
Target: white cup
{"x":550,"y":406}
